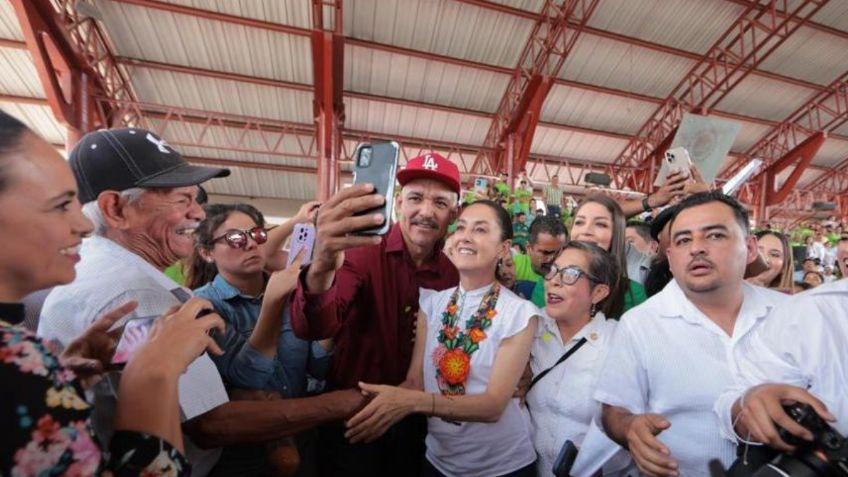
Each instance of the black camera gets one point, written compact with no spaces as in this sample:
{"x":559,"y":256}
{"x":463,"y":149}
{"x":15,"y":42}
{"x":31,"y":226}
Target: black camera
{"x":825,"y":456}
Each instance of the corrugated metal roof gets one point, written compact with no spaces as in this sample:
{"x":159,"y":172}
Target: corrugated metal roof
{"x":566,"y":105}
{"x":574,"y":145}
{"x":264,"y":183}
{"x":765,"y":98}
{"x":19,"y":75}
{"x":800,"y":56}
{"x":691,"y":25}
{"x":285,"y":12}
{"x":415,"y":122}
{"x":401,"y":76}
{"x":9,"y":26}
{"x":831,"y":153}
{"x":444,"y":27}
{"x":748,"y":136}
{"x":613,"y":64}
{"x":155,"y":35}
{"x":224,"y":96}
{"x":834,"y":14}
{"x":39,"y":118}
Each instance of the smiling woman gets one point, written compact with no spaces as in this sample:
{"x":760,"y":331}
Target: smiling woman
{"x":464,"y":372}
{"x":47,"y":430}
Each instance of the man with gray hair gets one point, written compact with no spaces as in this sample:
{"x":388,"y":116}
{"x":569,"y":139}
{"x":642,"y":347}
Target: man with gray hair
{"x":142,"y":196}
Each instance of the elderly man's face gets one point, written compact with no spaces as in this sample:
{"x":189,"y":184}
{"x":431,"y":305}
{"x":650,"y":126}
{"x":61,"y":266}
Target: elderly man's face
{"x":161,"y":224}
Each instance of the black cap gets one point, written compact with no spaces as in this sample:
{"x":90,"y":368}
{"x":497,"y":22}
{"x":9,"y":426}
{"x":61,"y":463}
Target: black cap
{"x":661,"y":219}
{"x":120,"y":159}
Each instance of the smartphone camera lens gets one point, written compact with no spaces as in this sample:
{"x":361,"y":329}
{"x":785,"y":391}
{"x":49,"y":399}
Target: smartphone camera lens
{"x":365,"y":157}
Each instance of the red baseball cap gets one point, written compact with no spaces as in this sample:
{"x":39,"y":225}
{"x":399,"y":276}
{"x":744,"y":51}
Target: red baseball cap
{"x":431,"y":165}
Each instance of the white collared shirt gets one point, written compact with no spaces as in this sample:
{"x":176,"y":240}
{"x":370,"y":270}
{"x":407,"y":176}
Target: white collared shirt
{"x":668,"y":358}
{"x":804,"y":343}
{"x":109,"y":275}
{"x":561,"y":404}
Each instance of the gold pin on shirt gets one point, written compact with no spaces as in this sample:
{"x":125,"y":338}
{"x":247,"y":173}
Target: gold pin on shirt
{"x":593,"y":336}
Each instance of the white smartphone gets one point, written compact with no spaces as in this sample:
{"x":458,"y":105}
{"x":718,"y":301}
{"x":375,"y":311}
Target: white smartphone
{"x":303,"y":238}
{"x":675,"y":160}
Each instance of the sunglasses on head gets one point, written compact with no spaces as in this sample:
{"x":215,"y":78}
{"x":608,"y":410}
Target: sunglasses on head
{"x":239,"y":238}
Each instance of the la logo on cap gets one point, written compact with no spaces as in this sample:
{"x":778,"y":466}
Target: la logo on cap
{"x":430,"y":163}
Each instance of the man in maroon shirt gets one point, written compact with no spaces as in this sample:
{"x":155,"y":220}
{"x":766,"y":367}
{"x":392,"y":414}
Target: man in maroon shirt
{"x":363,"y":293}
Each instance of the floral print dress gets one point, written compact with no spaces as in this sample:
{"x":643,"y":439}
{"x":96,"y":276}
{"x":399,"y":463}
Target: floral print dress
{"x":44,"y":418}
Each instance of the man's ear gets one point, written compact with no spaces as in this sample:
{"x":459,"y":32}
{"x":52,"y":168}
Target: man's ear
{"x":114,"y":209}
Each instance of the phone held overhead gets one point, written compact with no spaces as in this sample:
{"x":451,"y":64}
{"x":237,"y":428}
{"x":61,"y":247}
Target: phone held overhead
{"x":674,"y":160}
{"x":376,"y":164}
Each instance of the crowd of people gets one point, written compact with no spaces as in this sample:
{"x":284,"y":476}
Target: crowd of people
{"x":479,"y":337}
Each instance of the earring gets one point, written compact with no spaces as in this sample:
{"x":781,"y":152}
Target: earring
{"x":593,"y":310}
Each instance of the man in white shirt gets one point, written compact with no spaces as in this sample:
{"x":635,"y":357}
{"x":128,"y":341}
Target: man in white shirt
{"x":798,"y":354}
{"x":142,"y":197}
{"x":670,"y":357}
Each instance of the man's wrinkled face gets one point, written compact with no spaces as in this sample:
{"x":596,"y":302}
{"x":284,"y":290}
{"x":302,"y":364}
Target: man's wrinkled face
{"x":162,"y":222}
{"x":425,"y":209}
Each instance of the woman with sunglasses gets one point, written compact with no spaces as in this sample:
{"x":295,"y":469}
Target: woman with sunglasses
{"x":45,"y":419}
{"x":599,"y":220}
{"x":472,"y":347}
{"x":579,"y":286}
{"x":229,"y":269}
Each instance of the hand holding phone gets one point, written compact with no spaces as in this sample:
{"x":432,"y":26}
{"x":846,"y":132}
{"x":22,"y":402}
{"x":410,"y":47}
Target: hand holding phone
{"x":376,"y":164}
{"x":674,"y":160}
{"x":303,"y":238}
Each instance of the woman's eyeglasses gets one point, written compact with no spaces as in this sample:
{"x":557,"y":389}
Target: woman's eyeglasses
{"x":239,"y":238}
{"x":568,"y":275}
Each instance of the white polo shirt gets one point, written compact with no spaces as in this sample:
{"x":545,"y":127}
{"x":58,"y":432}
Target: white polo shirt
{"x":668,"y":358}
{"x":110,"y":275}
{"x":804,"y":343}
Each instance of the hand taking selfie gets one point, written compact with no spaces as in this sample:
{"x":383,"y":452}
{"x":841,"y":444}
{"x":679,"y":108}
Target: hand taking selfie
{"x":306,"y":213}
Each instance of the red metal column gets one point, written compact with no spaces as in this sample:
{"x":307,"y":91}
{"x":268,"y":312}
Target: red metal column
{"x":327,"y":67}
{"x":750,"y":40}
{"x":550,"y":42}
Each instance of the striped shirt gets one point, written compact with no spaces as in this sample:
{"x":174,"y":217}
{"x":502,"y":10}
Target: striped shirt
{"x":553,"y":195}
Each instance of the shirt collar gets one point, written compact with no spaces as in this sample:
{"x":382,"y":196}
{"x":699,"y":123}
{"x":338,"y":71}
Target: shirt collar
{"x":227,"y":290}
{"x":592,"y":331}
{"x":674,"y":303}
{"x":119,"y":252}
{"x":394,"y":240}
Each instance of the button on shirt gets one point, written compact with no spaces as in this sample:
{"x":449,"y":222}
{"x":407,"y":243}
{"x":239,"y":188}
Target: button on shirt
{"x":370,"y":310}
{"x":561,"y":404}
{"x":241,"y":364}
{"x":109,"y":275}
{"x":668,"y":358}
{"x":802,"y":343}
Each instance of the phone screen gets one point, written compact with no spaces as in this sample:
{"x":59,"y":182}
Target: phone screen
{"x":135,"y":334}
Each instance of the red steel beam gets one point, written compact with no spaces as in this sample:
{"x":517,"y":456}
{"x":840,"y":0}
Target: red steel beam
{"x":748,"y":41}
{"x":12,"y":44}
{"x":328,"y":42}
{"x":541,"y":60}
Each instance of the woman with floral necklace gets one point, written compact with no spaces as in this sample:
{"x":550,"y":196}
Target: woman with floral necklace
{"x":474,"y":342}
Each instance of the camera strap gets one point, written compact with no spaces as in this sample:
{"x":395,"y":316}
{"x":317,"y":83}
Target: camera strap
{"x":561,"y":360}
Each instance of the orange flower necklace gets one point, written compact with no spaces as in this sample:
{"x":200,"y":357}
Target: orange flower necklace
{"x":453,"y":354}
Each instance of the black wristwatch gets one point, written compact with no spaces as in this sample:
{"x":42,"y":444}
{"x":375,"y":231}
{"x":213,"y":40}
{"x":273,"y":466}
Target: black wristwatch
{"x":646,"y":205}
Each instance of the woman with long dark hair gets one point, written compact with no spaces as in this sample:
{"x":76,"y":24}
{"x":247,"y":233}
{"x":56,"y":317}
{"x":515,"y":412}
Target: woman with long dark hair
{"x":774,"y":247}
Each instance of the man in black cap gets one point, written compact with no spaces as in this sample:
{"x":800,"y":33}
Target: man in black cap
{"x":142,"y":197}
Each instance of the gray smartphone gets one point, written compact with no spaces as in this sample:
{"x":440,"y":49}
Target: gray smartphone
{"x":377,"y":164}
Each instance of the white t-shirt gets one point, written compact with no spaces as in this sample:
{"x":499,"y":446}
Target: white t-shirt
{"x":477,"y":449}
{"x":561,"y":404}
{"x":668,"y":358}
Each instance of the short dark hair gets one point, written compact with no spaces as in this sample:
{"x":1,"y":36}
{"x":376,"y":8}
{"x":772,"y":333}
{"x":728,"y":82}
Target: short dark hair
{"x":519,"y":213}
{"x":702,"y":198}
{"x":641,"y":228}
{"x":546,"y":224}
{"x":11,"y":132}
{"x":502,"y":216}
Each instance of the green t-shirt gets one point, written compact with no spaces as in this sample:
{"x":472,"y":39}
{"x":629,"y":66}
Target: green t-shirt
{"x":520,"y":233}
{"x":175,"y":272}
{"x":524,"y":269}
{"x":538,"y":297}
{"x":635,"y":296}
